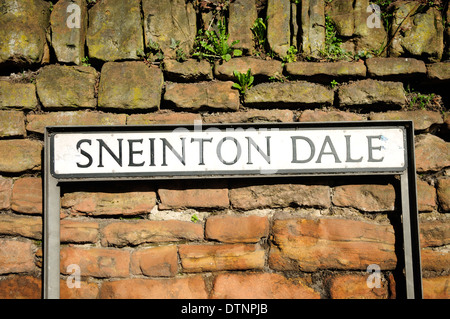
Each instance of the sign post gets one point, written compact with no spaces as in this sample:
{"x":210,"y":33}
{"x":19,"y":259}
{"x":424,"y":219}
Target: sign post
{"x":86,"y":153}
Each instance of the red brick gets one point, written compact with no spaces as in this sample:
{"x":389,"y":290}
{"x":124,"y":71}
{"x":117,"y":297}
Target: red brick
{"x":87,"y":290}
{"x":96,"y":262}
{"x":192,"y":287}
{"x":199,"y":258}
{"x":156,"y":261}
{"x":432,"y":153}
{"x":13,"y":225}
{"x":37,"y":122}
{"x":426,"y":196}
{"x":16,"y":256}
{"x":20,"y":287}
{"x":279,"y":195}
{"x":331,"y":243}
{"x":436,"y":288}
{"x":75,"y":231}
{"x":434,"y":233}
{"x":355,"y":287}
{"x":163,"y":118}
{"x":5,"y":192}
{"x":235,"y":229}
{"x":27,"y":196}
{"x":368,"y":198}
{"x":98,"y":203}
{"x":17,"y":156}
{"x":146,"y":231}
{"x":250,"y":116}
{"x":443,"y":192}
{"x":435,"y":259}
{"x":193,"y":194}
{"x":261,"y":286}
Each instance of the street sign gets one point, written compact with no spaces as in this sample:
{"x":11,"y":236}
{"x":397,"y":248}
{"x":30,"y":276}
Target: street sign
{"x":102,"y":153}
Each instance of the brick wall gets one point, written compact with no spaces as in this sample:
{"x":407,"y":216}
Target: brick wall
{"x":256,"y":238}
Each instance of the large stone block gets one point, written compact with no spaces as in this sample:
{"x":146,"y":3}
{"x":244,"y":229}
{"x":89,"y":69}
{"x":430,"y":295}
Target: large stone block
{"x":130,"y":86}
{"x":115,"y":30}
{"x":166,"y":20}
{"x":242,"y":15}
{"x":422,"y":32}
{"x":312,"y":27}
{"x":61,"y":87}
{"x":68,"y":43}
{"x":17,"y":95}
{"x":278,"y":26}
{"x":23,"y":26}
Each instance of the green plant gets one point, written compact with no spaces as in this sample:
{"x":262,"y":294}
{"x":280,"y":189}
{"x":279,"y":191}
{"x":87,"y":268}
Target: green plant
{"x":333,"y":50}
{"x":85,"y":61}
{"x":333,"y":84}
{"x":417,"y":99}
{"x":244,"y":81}
{"x":259,"y":32}
{"x":194,"y":218}
{"x":213,"y":45}
{"x":175,"y":45}
{"x":291,"y":55}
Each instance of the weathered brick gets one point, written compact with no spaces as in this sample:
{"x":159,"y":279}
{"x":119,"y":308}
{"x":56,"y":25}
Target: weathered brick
{"x":235,"y":229}
{"x":193,"y":194}
{"x":18,"y":156}
{"x":439,"y":71}
{"x":328,"y":116}
{"x":426,"y":196}
{"x":17,"y":95}
{"x":367,"y":93}
{"x":326,"y":71}
{"x":87,"y":290}
{"x":163,"y":118}
{"x":289,"y":94}
{"x":16,"y":256}
{"x":279,"y":195}
{"x":37,"y":122}
{"x":262,"y":69}
{"x":434,"y":233}
{"x":309,"y":245}
{"x":435,"y":259}
{"x":423,"y":120}
{"x":12,"y":124}
{"x":27,"y":195}
{"x":200,"y":258}
{"x":432,"y":153}
{"x":156,"y":261}
{"x":20,"y":287}
{"x":5,"y":192}
{"x":187,"y":71}
{"x":368,"y":198}
{"x":79,"y":231}
{"x":177,"y":288}
{"x":436,"y":287}
{"x":96,"y":262}
{"x":13,"y":225}
{"x":98,"y":204}
{"x":355,"y":287}
{"x":144,"y":231}
{"x":261,"y":286}
{"x":443,"y":192}
{"x":195,"y":96}
{"x":251,"y":116}
{"x":395,"y":68}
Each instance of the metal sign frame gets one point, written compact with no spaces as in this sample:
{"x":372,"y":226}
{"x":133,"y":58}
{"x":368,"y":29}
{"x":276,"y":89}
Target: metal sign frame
{"x":52,"y":192}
